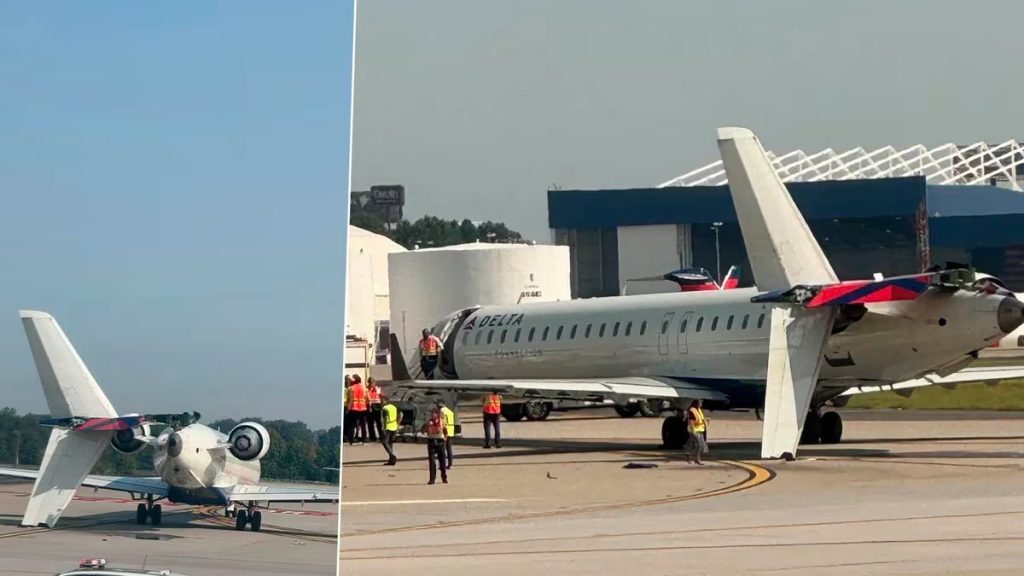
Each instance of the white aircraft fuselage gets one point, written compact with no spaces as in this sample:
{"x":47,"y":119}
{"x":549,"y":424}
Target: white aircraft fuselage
{"x":718,"y":337}
{"x":195,"y":469}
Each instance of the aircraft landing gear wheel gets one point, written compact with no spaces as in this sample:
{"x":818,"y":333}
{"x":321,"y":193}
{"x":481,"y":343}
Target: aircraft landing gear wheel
{"x":513,"y":412}
{"x":673,"y":433}
{"x":628,"y":411}
{"x":812,"y":429}
{"x":649,"y":408}
{"x":257,"y":520}
{"x":155,"y":514}
{"x":535,"y":411}
{"x":831,"y":428}
{"x":240,"y":520}
{"x":140,"y":514}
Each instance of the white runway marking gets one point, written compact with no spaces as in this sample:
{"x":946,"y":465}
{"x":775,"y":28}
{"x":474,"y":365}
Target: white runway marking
{"x":396,"y":502}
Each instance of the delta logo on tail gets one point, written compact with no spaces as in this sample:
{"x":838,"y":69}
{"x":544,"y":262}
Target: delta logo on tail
{"x":699,"y":279}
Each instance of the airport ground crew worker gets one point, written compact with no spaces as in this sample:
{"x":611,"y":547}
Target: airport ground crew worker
{"x":436,"y":434}
{"x":347,"y":417}
{"x":449,"y":424}
{"x":430,"y":350}
{"x":696,"y":425}
{"x":492,"y":418}
{"x":358,"y":406}
{"x":389,"y":416}
{"x":373,"y":394}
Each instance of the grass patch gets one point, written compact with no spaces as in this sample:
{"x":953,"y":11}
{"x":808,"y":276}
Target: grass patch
{"x":1008,"y":395}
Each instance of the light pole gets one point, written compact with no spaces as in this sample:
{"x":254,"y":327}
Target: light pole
{"x":718,"y":258}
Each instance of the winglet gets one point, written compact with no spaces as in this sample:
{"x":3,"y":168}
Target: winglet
{"x":782,"y":250}
{"x":399,"y":371}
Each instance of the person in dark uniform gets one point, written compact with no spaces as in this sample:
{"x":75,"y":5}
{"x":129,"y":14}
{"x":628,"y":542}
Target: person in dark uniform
{"x":436,"y":433}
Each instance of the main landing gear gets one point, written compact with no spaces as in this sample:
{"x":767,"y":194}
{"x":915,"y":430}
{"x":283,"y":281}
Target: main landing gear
{"x":674,"y":433}
{"x":819,"y":428}
{"x":148,"y":510}
{"x":822,"y":427}
{"x":248,"y":515}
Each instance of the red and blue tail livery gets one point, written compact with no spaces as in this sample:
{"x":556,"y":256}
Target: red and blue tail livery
{"x":893,"y":289}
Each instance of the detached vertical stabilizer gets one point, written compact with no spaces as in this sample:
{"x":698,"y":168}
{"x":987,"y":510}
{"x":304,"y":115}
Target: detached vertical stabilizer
{"x":70,"y":391}
{"x":783,"y":253}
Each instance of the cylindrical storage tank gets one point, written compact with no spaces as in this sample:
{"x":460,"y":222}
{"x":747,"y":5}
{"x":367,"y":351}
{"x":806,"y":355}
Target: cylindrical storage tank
{"x":427,"y":285}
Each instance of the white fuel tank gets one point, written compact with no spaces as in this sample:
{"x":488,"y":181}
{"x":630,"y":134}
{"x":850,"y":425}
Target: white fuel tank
{"x":428,"y":284}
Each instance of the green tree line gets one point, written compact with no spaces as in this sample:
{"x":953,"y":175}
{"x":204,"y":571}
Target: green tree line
{"x":433,"y":232}
{"x":296,"y":452}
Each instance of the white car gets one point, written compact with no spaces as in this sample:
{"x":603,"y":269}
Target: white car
{"x":98,"y":567}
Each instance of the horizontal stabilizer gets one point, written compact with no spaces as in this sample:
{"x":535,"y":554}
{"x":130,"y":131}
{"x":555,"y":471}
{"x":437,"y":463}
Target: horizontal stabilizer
{"x":102,"y":424}
{"x":892,"y":289}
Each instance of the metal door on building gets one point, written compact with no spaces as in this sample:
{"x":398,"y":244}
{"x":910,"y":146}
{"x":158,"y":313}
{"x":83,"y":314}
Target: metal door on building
{"x":663,"y":336}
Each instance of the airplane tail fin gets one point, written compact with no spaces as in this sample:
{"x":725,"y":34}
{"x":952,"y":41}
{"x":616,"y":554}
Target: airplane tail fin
{"x":732,"y":278}
{"x":70,"y":391}
{"x":782,"y":251}
{"x":69,"y":387}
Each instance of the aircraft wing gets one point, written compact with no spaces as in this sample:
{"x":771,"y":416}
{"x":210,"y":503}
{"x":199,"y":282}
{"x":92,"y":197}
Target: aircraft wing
{"x":265,"y":493}
{"x":596,"y":389}
{"x":137,"y":485}
{"x":988,"y":375}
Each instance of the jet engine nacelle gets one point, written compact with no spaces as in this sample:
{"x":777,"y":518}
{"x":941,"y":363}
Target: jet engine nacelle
{"x":127,"y":441}
{"x":249,"y":441}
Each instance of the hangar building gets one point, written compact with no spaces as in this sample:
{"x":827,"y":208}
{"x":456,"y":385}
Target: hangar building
{"x":890,"y":211}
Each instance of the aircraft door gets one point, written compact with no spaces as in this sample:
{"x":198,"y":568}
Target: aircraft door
{"x":685,"y":325}
{"x":448,"y":336}
{"x":663,"y":335}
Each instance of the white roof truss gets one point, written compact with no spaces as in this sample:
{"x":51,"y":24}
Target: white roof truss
{"x":976,"y":163}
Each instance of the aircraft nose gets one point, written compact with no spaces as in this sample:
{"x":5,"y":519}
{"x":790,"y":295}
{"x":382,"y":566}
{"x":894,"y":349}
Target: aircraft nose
{"x":1010,"y":314}
{"x":174,"y":445}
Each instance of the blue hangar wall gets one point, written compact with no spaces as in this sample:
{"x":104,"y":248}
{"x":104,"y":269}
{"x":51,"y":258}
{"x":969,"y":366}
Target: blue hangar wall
{"x":893,"y":226}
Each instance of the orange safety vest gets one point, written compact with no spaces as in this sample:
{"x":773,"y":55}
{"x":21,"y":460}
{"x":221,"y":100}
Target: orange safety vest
{"x":430,"y":345}
{"x":435,"y":428}
{"x":492,"y":404}
{"x":374,"y":394}
{"x":358,"y":398}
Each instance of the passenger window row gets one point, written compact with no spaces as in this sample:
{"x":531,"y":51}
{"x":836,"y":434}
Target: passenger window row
{"x":626,"y":329}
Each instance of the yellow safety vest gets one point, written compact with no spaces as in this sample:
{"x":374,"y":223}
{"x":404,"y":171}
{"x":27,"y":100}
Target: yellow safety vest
{"x":346,"y":398}
{"x":449,"y":420}
{"x":390,"y":413}
{"x":698,"y":422}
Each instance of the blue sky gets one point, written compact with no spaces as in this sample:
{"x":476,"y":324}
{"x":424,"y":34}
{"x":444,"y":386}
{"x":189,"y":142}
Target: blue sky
{"x":173,"y":188}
